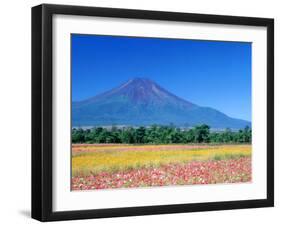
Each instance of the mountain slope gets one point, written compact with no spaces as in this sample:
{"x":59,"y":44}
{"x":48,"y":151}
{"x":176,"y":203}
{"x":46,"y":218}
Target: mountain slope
{"x":141,"y":101}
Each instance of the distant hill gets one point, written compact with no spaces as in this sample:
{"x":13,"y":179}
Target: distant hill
{"x":141,"y":101}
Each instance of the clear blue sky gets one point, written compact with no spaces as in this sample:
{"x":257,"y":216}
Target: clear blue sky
{"x":208,"y":73}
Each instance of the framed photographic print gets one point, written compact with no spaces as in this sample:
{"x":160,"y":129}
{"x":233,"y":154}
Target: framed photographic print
{"x":145,"y":112}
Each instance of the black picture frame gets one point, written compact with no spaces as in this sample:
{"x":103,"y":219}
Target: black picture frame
{"x":42,"y":111}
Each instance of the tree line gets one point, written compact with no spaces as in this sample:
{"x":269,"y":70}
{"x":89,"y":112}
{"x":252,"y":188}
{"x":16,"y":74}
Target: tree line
{"x":160,"y":135}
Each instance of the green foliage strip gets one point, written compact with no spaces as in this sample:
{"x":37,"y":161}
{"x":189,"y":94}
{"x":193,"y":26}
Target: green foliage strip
{"x":159,"y":135}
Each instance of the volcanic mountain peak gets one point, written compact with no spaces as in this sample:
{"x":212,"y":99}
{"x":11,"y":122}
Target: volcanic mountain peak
{"x":141,"y":101}
{"x":139,"y":91}
{"x":141,"y":80}
{"x":140,"y":85}
{"x":144,"y":90}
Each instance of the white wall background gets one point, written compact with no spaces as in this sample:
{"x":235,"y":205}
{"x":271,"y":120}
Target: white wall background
{"x":15,"y":111}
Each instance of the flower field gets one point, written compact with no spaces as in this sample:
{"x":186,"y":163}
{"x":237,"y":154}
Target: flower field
{"x":102,"y":166}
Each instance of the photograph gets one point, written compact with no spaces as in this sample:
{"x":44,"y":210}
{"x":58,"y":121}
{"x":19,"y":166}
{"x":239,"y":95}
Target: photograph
{"x":150,"y":112}
{"x":141,"y":112}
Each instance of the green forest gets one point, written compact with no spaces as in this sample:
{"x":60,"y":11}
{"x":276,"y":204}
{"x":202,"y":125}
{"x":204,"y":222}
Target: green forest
{"x":160,"y":135}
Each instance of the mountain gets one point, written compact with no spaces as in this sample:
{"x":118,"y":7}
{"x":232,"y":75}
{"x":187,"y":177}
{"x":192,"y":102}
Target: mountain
{"x":141,"y":101}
